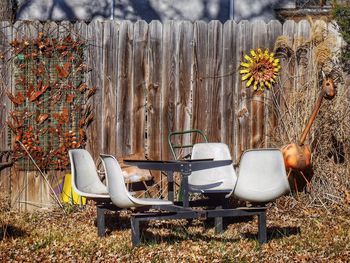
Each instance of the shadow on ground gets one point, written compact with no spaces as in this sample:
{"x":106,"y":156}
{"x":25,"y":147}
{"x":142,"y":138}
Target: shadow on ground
{"x":275,"y":233}
{"x":10,"y":231}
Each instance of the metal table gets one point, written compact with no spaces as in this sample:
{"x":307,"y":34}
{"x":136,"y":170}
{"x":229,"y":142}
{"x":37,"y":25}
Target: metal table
{"x":185,"y":167}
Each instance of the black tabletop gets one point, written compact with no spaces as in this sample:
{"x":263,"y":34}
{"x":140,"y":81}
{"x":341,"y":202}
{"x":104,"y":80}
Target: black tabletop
{"x":184,"y":166}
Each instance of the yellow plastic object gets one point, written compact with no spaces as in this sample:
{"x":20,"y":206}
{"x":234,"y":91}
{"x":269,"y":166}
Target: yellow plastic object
{"x":68,"y":195}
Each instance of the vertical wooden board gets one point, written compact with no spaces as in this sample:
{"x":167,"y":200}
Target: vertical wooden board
{"x":33,"y":193}
{"x":154,"y":80}
{"x":20,"y":178}
{"x":274,"y":30}
{"x":50,"y":29}
{"x":109,"y":88}
{"x":257,"y":121}
{"x":287,"y":78}
{"x":200,"y":82}
{"x":55,"y":185}
{"x":65,"y":28}
{"x":5,"y":105}
{"x":125,"y":89}
{"x":95,"y":62}
{"x":5,"y":81}
{"x":139,"y":86}
{"x":244,"y":44}
{"x":184,"y":40}
{"x":169,"y":83}
{"x":304,"y":69}
{"x":229,"y":71}
{"x":214,"y":72}
{"x":82,"y":31}
{"x":303,"y":34}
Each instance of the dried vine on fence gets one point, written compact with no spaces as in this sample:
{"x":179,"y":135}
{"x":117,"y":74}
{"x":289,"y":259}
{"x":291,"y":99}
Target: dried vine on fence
{"x":50,"y":112}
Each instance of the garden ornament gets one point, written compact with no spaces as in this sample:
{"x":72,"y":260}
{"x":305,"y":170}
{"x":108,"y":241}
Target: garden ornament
{"x":298,"y":155}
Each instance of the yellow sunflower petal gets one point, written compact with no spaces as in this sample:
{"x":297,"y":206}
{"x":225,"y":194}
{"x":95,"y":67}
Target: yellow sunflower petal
{"x":259,"y":50}
{"x":267,"y":84}
{"x":248,"y":58}
{"x":261,"y":84}
{"x":242,"y":71}
{"x":250,"y":81}
{"x":247,"y":65}
{"x":253,"y":53}
{"x":246,"y":76}
{"x":255,"y":85}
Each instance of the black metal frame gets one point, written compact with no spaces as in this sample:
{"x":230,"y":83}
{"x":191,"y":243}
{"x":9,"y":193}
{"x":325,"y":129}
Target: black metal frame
{"x":184,"y":210}
{"x":202,"y":215}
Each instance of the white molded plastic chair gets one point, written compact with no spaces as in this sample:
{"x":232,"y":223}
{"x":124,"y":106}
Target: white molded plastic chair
{"x":117,"y":189}
{"x":262,"y":176}
{"x":221,"y":179}
{"x":85,"y":180}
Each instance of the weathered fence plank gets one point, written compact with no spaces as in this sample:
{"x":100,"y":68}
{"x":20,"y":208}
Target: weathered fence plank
{"x":183,"y":91}
{"x":139,"y":86}
{"x":229,"y":71}
{"x":274,"y":29}
{"x":200,"y":85}
{"x":169,"y":83}
{"x":214,"y":62}
{"x":110,"y":80}
{"x":95,"y":60}
{"x":20,"y":179}
{"x":125,"y":112}
{"x":244,"y":44}
{"x":5,"y":84}
{"x":257,"y":106}
{"x":154,"y":70}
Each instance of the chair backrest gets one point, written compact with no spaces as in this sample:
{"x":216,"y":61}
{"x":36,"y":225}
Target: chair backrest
{"x":179,"y":149}
{"x":262,"y":176}
{"x":116,"y":184}
{"x":85,"y":180}
{"x":220,"y":179}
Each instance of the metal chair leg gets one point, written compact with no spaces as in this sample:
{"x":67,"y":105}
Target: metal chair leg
{"x":262,"y":235}
{"x":135,"y":231}
{"x":218,"y":222}
{"x":101,"y":221}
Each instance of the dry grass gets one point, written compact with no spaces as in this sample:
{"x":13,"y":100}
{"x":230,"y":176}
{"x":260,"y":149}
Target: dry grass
{"x":295,"y":234}
{"x":330,"y":134}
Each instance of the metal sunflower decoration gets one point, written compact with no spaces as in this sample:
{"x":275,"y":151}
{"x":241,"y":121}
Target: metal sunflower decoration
{"x":260,"y":69}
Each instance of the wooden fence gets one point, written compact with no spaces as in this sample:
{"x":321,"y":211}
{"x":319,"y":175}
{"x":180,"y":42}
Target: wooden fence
{"x":155,"y":78}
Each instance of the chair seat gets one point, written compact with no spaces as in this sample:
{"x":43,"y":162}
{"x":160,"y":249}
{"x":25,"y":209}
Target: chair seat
{"x":120,"y":196}
{"x":262,"y":176}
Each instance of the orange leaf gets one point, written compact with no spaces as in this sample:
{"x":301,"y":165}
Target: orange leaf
{"x":82,"y":87}
{"x":30,"y":91}
{"x":18,"y":99}
{"x":63,"y":72}
{"x":70,"y":98}
{"x":35,"y":95}
{"x":42,"y":117}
